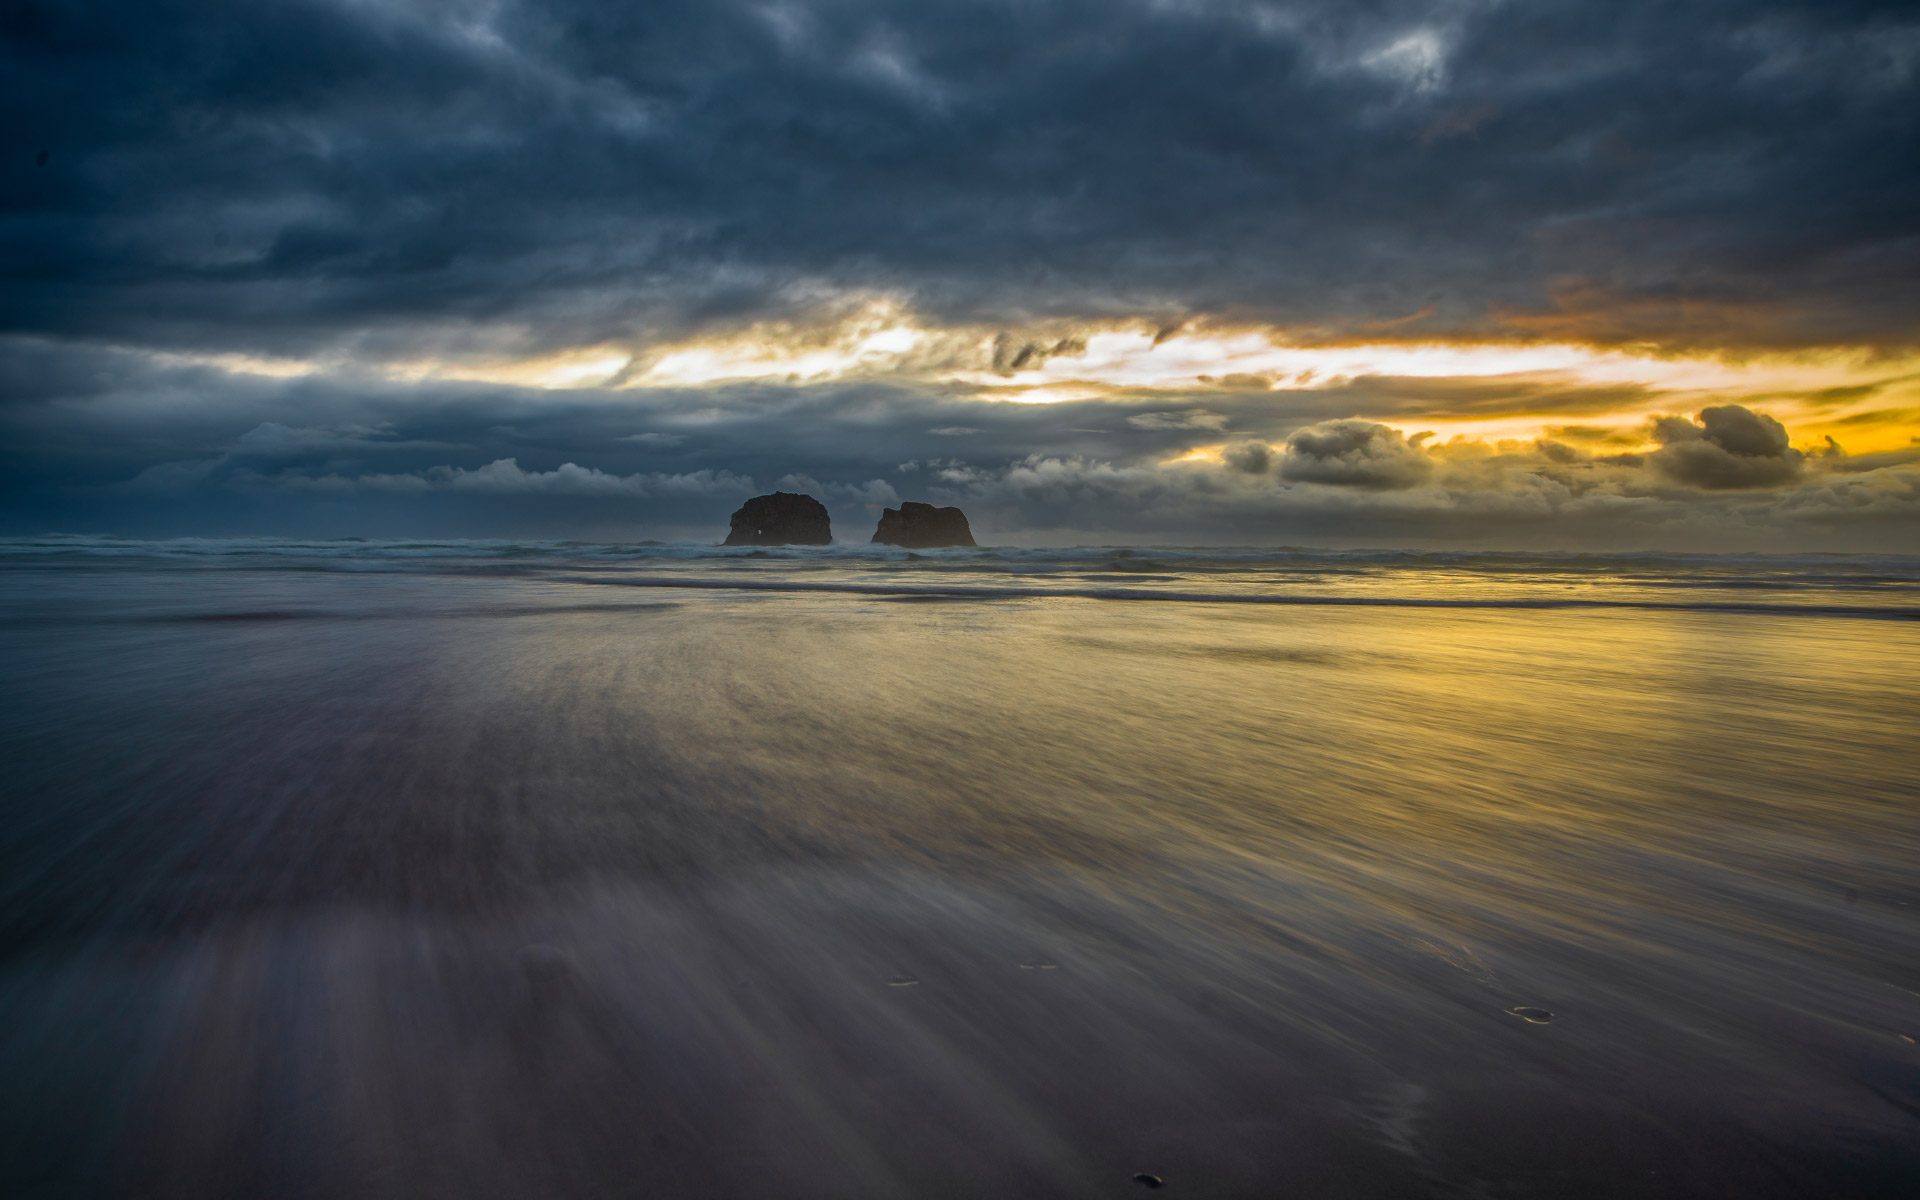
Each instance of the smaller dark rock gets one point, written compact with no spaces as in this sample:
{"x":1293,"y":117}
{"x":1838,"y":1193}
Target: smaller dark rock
{"x":1531,"y":1015}
{"x":780,"y":519}
{"x":1146,"y":1180}
{"x":920,"y":526}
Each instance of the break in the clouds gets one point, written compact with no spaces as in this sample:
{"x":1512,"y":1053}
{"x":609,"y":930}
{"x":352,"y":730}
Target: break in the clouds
{"x":1554,"y":272}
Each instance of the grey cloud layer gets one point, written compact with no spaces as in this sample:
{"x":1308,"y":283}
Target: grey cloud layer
{"x":1467,"y":494}
{"x":1354,"y":454}
{"x":392,"y":175}
{"x":117,"y":446}
{"x":413,"y":181}
{"x":1729,"y":447}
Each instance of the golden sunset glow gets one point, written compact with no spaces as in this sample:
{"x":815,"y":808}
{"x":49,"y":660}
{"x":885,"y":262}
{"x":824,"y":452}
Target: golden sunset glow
{"x":1867,"y":402}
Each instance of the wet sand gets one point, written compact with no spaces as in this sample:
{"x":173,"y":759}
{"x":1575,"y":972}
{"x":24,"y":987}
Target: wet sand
{"x":338,"y":883}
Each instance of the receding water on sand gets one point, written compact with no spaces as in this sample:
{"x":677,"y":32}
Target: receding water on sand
{"x":323,"y":877}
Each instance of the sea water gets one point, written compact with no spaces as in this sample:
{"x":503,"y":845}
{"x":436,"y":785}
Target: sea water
{"x":507,"y":869}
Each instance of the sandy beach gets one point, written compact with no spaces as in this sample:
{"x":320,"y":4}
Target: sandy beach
{"x":444,"y":870}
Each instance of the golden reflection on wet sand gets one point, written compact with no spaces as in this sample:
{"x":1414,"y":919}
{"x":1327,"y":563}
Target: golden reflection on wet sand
{"x":522,"y":890}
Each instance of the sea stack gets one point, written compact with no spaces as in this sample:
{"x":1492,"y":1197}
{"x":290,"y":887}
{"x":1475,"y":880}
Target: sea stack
{"x":781,"y":519}
{"x":923,"y":527}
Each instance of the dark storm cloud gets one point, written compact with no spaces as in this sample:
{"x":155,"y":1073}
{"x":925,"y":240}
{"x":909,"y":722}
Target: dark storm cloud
{"x":1253,"y":458}
{"x":373,"y":191}
{"x":1728,"y":447}
{"x":393,"y":176}
{"x":1356,"y":454}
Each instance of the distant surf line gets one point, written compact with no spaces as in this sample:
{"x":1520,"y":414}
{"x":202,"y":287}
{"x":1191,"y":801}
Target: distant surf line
{"x":895,"y":591}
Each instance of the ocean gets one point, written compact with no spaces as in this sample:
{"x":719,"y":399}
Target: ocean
{"x":517,"y":869}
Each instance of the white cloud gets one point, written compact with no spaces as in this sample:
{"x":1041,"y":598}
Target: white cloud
{"x":1415,"y":60}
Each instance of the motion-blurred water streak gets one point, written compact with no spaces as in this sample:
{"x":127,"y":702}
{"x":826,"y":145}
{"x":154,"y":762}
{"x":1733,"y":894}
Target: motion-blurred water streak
{"x":491,"y":869}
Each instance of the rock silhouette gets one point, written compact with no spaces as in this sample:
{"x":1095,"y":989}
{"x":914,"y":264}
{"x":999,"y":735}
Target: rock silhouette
{"x":780,"y":519}
{"x":922,"y":526}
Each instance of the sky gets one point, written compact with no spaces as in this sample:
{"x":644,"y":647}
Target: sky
{"x":1529,"y":275}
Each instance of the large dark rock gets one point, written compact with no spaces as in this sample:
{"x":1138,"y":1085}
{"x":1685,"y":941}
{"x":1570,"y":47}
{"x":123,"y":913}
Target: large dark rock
{"x":782,"y":519}
{"x":922,"y":526}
